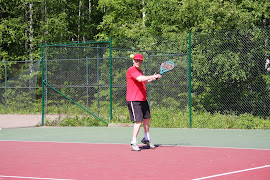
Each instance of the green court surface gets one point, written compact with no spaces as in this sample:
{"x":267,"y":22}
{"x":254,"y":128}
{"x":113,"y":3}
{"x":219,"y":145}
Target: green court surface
{"x":254,"y":139}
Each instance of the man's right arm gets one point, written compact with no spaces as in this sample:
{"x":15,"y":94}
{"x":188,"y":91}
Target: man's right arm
{"x":147,"y":79}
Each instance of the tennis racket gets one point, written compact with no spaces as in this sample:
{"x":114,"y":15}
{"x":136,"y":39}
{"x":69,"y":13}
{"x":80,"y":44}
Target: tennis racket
{"x":166,"y":66}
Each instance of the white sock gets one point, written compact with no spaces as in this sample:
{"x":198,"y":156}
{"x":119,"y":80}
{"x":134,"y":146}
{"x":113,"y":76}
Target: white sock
{"x":134,"y":140}
{"x":147,"y":136}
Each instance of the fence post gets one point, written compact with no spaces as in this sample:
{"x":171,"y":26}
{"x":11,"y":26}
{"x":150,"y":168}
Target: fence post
{"x":6,"y":86}
{"x":98,"y":79}
{"x":86,"y":76}
{"x":110,"y":79}
{"x":189,"y":79}
{"x":148,"y":74}
{"x":42,"y":85}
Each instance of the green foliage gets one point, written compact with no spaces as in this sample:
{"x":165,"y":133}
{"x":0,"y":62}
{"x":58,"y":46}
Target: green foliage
{"x":122,"y":18}
{"x":228,"y":71}
{"x":74,"y":121}
{"x":23,"y":28}
{"x":228,"y":121}
{"x":169,"y":118}
{"x":227,"y":66}
{"x":30,"y":108}
{"x":173,"y":118}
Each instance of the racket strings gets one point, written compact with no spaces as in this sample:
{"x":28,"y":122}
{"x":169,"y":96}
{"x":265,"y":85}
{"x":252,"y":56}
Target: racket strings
{"x":166,"y":66}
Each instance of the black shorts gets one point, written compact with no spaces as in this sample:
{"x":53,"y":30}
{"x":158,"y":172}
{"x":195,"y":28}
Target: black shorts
{"x":138,"y":110}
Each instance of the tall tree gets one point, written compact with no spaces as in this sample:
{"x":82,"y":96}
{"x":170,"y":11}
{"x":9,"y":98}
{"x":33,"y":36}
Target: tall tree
{"x":123,"y":18}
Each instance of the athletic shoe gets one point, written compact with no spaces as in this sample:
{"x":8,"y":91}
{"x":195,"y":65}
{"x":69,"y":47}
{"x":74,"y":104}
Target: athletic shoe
{"x":148,"y":143}
{"x":134,"y":147}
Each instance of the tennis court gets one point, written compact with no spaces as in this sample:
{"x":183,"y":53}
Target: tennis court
{"x":103,"y":153}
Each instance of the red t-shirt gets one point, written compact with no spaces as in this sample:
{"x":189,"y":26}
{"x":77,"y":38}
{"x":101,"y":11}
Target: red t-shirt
{"x":136,"y":90}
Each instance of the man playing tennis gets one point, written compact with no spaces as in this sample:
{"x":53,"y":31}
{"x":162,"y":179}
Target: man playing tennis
{"x":136,"y":99}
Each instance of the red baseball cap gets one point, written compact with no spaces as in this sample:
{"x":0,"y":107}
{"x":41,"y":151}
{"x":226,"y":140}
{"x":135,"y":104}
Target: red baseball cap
{"x":138,"y":57}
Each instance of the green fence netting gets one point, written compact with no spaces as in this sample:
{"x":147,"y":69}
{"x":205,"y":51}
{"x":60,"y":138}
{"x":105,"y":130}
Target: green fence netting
{"x":18,"y":87}
{"x":90,"y":78}
{"x":221,"y":80}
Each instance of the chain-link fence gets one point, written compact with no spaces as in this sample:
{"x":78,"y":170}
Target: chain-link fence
{"x":230,"y":74}
{"x":76,"y":82}
{"x":220,"y":80}
{"x":168,"y":96}
{"x":90,"y":78}
{"x":19,"y":86}
{"x":19,"y":93}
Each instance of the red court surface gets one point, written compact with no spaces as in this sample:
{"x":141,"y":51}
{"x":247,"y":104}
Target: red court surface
{"x":85,"y":161}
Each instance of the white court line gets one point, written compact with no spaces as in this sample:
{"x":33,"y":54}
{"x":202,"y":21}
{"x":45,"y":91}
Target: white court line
{"x":233,"y":172}
{"x":22,"y":177}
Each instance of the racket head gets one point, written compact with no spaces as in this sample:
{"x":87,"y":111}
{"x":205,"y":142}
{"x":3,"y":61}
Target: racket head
{"x":166,"y":66}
